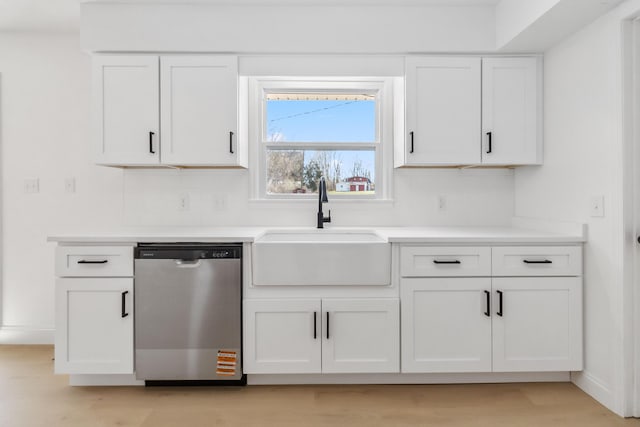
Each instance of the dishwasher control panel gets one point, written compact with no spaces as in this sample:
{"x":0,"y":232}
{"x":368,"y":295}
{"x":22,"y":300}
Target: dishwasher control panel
{"x":189,"y":252}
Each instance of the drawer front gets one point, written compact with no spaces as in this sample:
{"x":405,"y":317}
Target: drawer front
{"x":537,"y":261}
{"x":94,"y":261}
{"x":421,"y":261}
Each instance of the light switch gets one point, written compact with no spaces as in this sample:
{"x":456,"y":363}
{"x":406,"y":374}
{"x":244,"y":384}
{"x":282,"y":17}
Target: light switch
{"x":70,"y":185}
{"x":31,"y":185}
{"x":597,"y":206}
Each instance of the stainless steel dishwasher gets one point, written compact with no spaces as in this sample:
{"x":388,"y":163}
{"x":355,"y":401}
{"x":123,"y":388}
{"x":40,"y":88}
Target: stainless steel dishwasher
{"x":188,"y":314}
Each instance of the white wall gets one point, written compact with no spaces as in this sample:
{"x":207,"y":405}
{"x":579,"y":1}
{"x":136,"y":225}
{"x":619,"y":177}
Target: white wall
{"x":44,"y":99}
{"x":44,"y":119}
{"x":285,"y":28}
{"x":584,"y":158}
{"x":514,"y":16}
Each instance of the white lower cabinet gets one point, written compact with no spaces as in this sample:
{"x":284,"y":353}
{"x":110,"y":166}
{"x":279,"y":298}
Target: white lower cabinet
{"x":94,"y":326}
{"x":306,"y":336}
{"x":505,"y":324}
{"x":537,"y":324}
{"x":446,"y":325}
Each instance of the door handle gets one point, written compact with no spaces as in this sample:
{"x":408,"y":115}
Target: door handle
{"x":123,"y":308}
{"x":411,"y":134}
{"x":499,"y":312}
{"x":489,"y":143}
{"x":327,"y":325}
{"x":451,"y":261}
{"x":231,"y":142}
{"x":488,"y":301}
{"x":151,"y":143}
{"x":315,"y":325}
{"x":88,"y":261}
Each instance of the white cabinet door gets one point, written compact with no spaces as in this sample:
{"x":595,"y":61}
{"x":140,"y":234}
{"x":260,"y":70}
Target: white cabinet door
{"x":94,"y":326}
{"x":282,"y":336}
{"x":446,"y":325}
{"x":125,"y":110}
{"x":443,"y":111}
{"x":510,"y":99}
{"x":199,"y":110}
{"x":537,"y":324}
{"x":360,"y":335}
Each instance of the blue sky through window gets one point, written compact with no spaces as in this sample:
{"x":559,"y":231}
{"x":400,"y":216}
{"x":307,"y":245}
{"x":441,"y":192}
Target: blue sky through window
{"x":332,"y":121}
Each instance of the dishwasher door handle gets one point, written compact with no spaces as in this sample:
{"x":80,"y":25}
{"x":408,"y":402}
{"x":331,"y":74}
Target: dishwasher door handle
{"x":188,"y":263}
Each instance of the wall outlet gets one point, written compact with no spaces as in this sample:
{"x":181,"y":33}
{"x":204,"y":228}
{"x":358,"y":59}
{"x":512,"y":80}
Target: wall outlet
{"x":31,"y":185}
{"x":597,"y":206}
{"x":70,"y":185}
{"x":183,"y":202}
{"x":219,"y":202}
{"x":441,"y":203}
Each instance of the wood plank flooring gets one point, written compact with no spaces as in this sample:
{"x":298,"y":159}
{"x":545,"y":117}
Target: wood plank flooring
{"x":31,"y":395}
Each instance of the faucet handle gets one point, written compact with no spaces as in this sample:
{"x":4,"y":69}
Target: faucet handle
{"x":327,"y":219}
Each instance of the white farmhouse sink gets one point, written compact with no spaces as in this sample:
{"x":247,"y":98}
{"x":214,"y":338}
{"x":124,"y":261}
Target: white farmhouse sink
{"x":321,"y":257}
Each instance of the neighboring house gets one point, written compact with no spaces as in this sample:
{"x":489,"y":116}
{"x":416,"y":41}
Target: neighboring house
{"x":355,"y":183}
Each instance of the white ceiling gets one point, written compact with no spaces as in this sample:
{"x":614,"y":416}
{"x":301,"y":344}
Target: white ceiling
{"x":64,"y":15}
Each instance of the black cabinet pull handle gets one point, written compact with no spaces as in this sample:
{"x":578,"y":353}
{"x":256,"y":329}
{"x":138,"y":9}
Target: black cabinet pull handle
{"x":411,"y":134}
{"x":487,"y":294}
{"x":231,"y":142}
{"x":151,"y":143}
{"x":499,"y":312}
{"x":315,"y":327}
{"x":124,"y":313}
{"x":327,"y":325}
{"x":489,"y":145}
{"x":451,"y":261}
{"x":88,"y":261}
{"x":537,"y":261}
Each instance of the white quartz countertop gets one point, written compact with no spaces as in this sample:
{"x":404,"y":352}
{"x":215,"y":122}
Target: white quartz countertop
{"x":440,"y":235}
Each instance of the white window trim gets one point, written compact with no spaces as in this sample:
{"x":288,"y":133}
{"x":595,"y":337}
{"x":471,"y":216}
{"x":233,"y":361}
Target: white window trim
{"x":384,"y":134}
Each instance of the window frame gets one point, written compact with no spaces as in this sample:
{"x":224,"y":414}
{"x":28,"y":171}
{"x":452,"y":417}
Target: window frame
{"x":380,"y":87}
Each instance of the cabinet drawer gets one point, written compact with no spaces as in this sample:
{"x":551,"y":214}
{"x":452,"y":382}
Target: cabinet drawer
{"x":94,"y":261}
{"x":537,"y":261}
{"x":420,"y":261}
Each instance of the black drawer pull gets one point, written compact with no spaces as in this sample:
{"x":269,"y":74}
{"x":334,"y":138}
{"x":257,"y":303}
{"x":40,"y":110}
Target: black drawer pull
{"x":537,"y":261}
{"x":499,"y":312}
{"x":451,"y":261}
{"x":231,"y":142}
{"x":88,"y":261}
{"x":123,"y":310}
{"x":489,"y":147}
{"x":411,"y":134}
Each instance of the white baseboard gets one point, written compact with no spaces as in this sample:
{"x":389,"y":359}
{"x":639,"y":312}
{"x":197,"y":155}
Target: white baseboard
{"x":596,"y":389}
{"x":468,"y":378}
{"x":26,"y":335}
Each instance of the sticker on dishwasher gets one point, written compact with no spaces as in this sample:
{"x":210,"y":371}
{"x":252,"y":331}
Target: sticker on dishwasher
{"x":227,"y":360}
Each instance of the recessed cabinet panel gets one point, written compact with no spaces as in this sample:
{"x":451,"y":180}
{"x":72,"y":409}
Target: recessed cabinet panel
{"x":199,"y":107}
{"x":94,"y":326}
{"x":537,"y":261}
{"x":538,"y":327}
{"x":125,"y":109}
{"x":279,"y":336}
{"x":443,"y":110}
{"x":421,"y":261}
{"x":446,"y":325}
{"x":360,"y":335}
{"x":510,"y":127}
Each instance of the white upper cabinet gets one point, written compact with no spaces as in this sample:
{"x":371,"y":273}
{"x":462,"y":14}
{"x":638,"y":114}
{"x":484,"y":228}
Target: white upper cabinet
{"x":176,"y":110}
{"x":510,"y":98}
{"x":471,"y":111}
{"x":443,"y":110}
{"x":125,"y":111}
{"x":199,"y":107}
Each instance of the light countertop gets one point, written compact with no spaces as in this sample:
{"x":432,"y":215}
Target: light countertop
{"x":439,"y":235}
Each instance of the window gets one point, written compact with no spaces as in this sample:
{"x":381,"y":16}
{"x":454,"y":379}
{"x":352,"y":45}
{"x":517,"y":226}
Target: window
{"x":309,"y":129}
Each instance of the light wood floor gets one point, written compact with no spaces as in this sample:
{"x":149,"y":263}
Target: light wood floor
{"x":30,"y":395}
